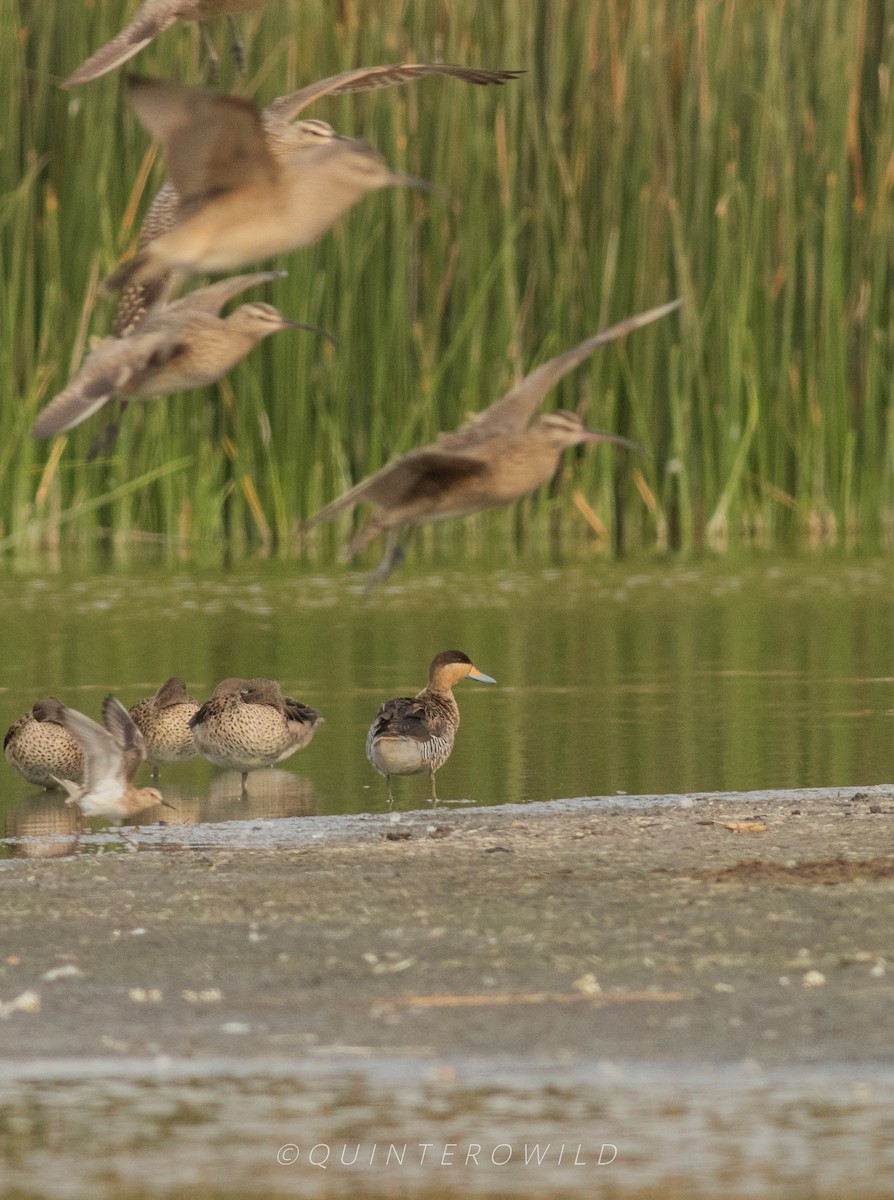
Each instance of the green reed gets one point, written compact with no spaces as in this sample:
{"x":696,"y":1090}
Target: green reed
{"x":735,"y":153}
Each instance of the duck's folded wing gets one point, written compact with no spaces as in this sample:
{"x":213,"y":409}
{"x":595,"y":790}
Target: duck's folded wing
{"x":402,"y":717}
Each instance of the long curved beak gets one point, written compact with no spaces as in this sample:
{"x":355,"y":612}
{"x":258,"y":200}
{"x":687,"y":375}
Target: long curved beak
{"x":593,"y":435}
{"x":288,"y":323}
{"x":424,"y":185}
{"x":474,"y":673}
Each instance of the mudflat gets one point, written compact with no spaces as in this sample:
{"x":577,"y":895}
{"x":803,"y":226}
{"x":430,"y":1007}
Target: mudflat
{"x":678,"y":934}
{"x":755,"y":926}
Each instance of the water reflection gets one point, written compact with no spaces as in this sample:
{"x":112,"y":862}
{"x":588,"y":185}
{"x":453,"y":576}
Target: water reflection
{"x":213,"y":1129}
{"x":44,"y":826}
{"x":645,"y":680}
{"x":273,"y":793}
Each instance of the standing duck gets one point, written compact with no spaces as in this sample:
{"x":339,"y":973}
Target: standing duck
{"x":412,"y":734}
{"x":39,"y":746}
{"x":249,"y":723}
{"x":163,"y":720}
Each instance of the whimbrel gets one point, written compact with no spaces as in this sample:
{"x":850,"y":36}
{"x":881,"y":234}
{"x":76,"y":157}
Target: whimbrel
{"x":249,"y":723}
{"x":244,"y":204}
{"x":412,"y":734}
{"x":112,"y":753}
{"x":151,"y":19}
{"x":39,"y":746}
{"x":493,"y":459}
{"x":286,"y":137}
{"x":179,"y":346}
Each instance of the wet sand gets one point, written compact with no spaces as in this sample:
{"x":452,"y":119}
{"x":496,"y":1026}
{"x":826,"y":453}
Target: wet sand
{"x":703,"y":982}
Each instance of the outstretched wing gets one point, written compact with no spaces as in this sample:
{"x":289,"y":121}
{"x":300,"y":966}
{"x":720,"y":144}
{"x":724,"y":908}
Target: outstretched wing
{"x":364,"y":79}
{"x":510,"y":415}
{"x":214,"y":143}
{"x":102,"y":758}
{"x":424,"y":472}
{"x":212,"y":299}
{"x":126,"y":736}
{"x":151,"y":19}
{"x":112,"y":365}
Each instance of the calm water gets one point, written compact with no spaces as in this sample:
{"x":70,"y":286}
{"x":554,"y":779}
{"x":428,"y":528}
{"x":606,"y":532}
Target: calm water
{"x":611,"y":678}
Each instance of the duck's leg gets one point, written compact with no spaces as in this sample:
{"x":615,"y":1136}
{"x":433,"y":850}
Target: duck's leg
{"x":390,"y":792}
{"x":434,"y":795}
{"x":245,"y":785}
{"x":155,"y":773}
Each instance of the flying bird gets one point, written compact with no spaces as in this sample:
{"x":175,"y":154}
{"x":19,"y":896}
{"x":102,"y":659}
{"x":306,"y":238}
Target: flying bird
{"x":244,"y":204}
{"x":286,"y":138}
{"x":496,"y":457}
{"x":151,"y":19}
{"x":179,"y":346}
{"x":112,"y":753}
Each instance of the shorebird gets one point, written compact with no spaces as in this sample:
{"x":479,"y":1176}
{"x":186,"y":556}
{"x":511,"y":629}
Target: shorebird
{"x":179,"y":346}
{"x":494,"y":458}
{"x":39,"y":746}
{"x":286,"y":138}
{"x":163,"y":720}
{"x":412,"y":734}
{"x":249,"y":723}
{"x":244,"y":204}
{"x":151,"y":19}
{"x":112,"y":753}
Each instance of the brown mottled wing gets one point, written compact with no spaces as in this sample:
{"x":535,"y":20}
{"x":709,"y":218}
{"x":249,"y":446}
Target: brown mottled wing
{"x":402,"y":717}
{"x":421,"y":473}
{"x":303,"y":713}
{"x":510,"y":416}
{"x":205,"y":712}
{"x":137,"y":299}
{"x":212,"y":299}
{"x":112,"y":365}
{"x":214,"y":143}
{"x":364,"y":79}
{"x":124,"y":734}
{"x":151,"y":19}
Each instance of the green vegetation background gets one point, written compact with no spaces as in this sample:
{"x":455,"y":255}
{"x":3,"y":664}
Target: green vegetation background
{"x":737,"y":152}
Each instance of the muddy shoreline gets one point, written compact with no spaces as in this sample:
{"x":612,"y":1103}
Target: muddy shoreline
{"x":741,"y":937}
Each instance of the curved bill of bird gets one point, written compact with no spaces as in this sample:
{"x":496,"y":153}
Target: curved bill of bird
{"x":288,"y":323}
{"x":424,"y":185}
{"x":593,"y":435}
{"x":474,"y":673}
